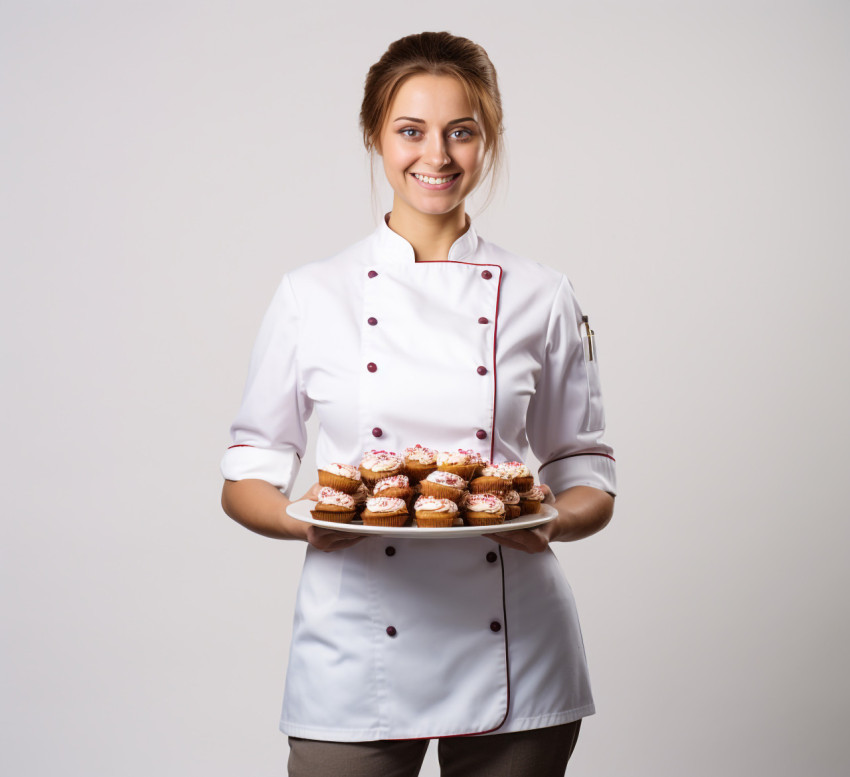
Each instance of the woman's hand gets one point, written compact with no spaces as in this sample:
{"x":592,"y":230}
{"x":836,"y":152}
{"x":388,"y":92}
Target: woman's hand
{"x":534,"y":540}
{"x":261,"y":507}
{"x":328,"y":540}
{"x":582,"y":511}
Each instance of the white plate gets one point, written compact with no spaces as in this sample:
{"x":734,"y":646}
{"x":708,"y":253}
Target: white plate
{"x":301,"y":511}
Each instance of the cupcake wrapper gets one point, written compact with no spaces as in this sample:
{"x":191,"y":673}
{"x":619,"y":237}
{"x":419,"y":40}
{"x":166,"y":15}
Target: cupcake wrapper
{"x":438,"y":490}
{"x":489,"y":485}
{"x":384,"y":519}
{"x":370,"y":478}
{"x":523,"y":483}
{"x":416,"y":472}
{"x":529,"y":506}
{"x":338,"y":482}
{"x":339,"y":517}
{"x":484,"y":519}
{"x":397,"y":493}
{"x":466,"y":471}
{"x":512,"y":511}
{"x":428,"y":519}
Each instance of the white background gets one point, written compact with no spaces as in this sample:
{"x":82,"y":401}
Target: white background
{"x":163,"y":163}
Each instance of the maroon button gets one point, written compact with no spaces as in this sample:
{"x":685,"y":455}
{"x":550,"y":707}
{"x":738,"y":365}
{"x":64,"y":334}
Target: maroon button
{"x":481,"y":434}
{"x":483,"y":320}
{"x":372,"y":320}
{"x":372,"y":367}
{"x":491,"y":557}
{"x":377,"y":432}
{"x":389,"y":550}
{"x":372,"y":273}
{"x":392,"y":632}
{"x":494,"y":626}
{"x":486,"y":275}
{"x":482,"y":370}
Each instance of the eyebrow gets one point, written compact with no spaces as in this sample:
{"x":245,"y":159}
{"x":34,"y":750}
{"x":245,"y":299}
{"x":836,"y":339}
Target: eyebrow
{"x":422,"y":121}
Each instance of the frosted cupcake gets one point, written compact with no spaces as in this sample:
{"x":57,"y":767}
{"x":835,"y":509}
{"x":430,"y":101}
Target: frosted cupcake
{"x":434,"y":513}
{"x":335,"y":506}
{"x":512,"y":508}
{"x":459,"y":462}
{"x":484,"y":510}
{"x":419,"y":462}
{"x":341,"y":477}
{"x":530,"y":501}
{"x":385,"y":511}
{"x":492,"y":479}
{"x":376,"y":465}
{"x":395,"y":485}
{"x":443,"y":485}
{"x":519,"y":473}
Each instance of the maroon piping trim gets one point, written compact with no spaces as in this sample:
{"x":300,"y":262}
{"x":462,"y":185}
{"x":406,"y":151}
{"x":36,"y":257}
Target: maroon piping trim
{"x":254,"y":446}
{"x":573,"y":455}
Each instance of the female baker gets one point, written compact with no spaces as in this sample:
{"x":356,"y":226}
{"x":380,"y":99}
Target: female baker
{"x":426,"y":333}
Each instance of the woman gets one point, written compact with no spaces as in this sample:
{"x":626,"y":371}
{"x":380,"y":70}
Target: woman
{"x":426,"y":333}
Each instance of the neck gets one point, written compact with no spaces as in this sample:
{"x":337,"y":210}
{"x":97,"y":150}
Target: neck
{"x":430,"y":235}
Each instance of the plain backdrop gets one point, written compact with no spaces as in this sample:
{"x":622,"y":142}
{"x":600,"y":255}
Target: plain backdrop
{"x":163,"y":163}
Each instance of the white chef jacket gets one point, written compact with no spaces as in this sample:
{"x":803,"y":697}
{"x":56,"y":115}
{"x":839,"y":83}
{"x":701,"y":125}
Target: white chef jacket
{"x":405,"y":638}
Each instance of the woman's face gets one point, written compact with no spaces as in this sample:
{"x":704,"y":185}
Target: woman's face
{"x":431,"y":134}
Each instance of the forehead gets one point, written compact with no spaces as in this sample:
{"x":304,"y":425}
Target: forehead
{"x":431,"y":98}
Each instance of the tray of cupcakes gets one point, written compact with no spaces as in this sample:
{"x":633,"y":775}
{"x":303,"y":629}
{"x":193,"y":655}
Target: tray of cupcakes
{"x":425,"y":493}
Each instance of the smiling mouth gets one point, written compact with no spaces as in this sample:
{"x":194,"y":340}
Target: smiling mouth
{"x":435,"y":181}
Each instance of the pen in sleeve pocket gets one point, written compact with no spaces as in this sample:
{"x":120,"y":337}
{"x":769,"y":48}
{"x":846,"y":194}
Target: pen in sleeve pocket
{"x":586,"y":322}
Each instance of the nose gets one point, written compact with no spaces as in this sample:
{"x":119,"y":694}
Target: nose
{"x":436,"y":154}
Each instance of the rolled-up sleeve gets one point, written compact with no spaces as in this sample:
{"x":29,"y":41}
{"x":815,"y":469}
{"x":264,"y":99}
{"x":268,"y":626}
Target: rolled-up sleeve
{"x":269,"y":433}
{"x":566,"y":422}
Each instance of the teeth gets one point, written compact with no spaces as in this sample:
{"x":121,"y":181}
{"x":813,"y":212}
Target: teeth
{"x":427,"y":179}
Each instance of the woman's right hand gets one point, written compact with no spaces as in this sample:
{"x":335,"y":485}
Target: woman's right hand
{"x":328,"y":540}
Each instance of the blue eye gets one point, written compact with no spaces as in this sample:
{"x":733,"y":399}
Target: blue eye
{"x":408,"y":132}
{"x":461,"y":134}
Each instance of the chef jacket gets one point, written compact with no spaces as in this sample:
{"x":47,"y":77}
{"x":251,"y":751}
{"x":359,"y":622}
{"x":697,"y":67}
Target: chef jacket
{"x":399,"y":638}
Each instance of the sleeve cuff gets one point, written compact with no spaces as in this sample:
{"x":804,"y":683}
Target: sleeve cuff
{"x":241,"y":462}
{"x":583,"y":469}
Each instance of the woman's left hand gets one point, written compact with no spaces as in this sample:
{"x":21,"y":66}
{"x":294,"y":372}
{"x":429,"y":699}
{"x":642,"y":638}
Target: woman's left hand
{"x":534,"y":540}
{"x":530,"y":540}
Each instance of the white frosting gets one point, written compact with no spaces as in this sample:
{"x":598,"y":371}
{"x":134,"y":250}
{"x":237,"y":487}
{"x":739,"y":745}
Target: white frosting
{"x":330,"y":496}
{"x":484,"y":503}
{"x":447,"y":479}
{"x":385,"y":504}
{"x":534,"y":494}
{"x":435,"y":505}
{"x":381,"y":461}
{"x":345,"y":470}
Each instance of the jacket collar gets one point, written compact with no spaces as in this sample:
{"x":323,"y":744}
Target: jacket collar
{"x":395,"y":248}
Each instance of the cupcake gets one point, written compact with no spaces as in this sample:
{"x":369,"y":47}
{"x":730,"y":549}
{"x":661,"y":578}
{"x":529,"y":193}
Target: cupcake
{"x":492,"y":479}
{"x":379,"y":464}
{"x":484,"y":510}
{"x":512,"y":508}
{"x":519,"y":474}
{"x":335,"y":506}
{"x":385,"y":511}
{"x":419,"y":462}
{"x":530,"y":501}
{"x":435,"y":513}
{"x":443,"y":485}
{"x":459,"y":462}
{"x":395,"y":485}
{"x":341,"y":477}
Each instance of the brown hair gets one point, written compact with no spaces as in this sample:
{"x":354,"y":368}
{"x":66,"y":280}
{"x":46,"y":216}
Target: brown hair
{"x":435,"y":53}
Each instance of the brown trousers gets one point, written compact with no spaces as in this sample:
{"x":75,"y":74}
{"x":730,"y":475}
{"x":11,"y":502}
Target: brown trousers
{"x":541,"y":752}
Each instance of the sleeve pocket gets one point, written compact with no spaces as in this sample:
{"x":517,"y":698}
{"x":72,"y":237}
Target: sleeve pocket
{"x":594,"y":420}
